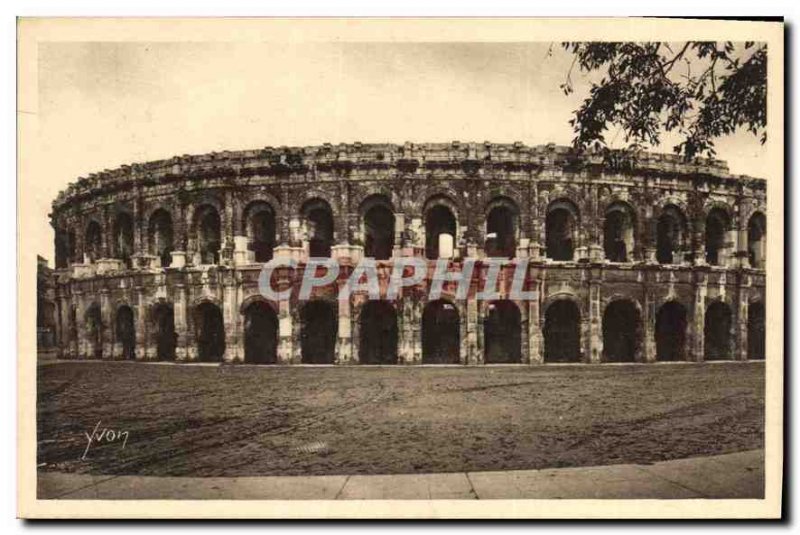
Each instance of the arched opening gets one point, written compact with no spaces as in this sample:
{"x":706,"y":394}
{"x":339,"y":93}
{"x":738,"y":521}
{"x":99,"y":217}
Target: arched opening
{"x":378,"y":232}
{"x":260,"y":228}
{"x":441,"y":333}
{"x":208,"y":234}
{"x":717,"y":332}
{"x":671,"y":332}
{"x":670,"y":231}
{"x":209,"y":332}
{"x":562,"y":333}
{"x":717,"y":226}
{"x":123,"y":238}
{"x":378,"y":334}
{"x":618,"y":228}
{"x":65,"y":248}
{"x":502,"y":333}
{"x":94,"y":331}
{"x":319,"y":228}
{"x":126,"y":332}
{"x":93,"y":244}
{"x":501,"y":233}
{"x":160,"y":236}
{"x":440,"y":232}
{"x":757,"y":240}
{"x":260,"y":334}
{"x":45,"y":322}
{"x":318,"y":329}
{"x":756,"y":333}
{"x":560,"y":229}
{"x":72,"y":247}
{"x":72,"y":328}
{"x":164,"y":331}
{"x":621,"y":332}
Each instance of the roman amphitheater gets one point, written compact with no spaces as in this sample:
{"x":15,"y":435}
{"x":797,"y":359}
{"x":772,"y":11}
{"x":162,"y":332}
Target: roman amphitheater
{"x":642,"y":258}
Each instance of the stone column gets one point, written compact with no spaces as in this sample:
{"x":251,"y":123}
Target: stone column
{"x":474,"y":355}
{"x":697,"y":327}
{"x":297,"y":332}
{"x":405,"y":327}
{"x":284,"y":235}
{"x":71,"y":346}
{"x":699,"y":241}
{"x":234,"y":352}
{"x":285,"y":333}
{"x":414,"y":328}
{"x":742,"y":254}
{"x":535,"y":353}
{"x":399,"y":231}
{"x":144,"y":348}
{"x":344,"y":340}
{"x":226,"y":247}
{"x":417,"y":245}
{"x":180,"y":238}
{"x":183,"y":342}
{"x":647,"y":224}
{"x":107,"y":315}
{"x":648,"y":352}
{"x":740,"y":316}
{"x":138,"y":240}
{"x":593,"y":348}
{"x":82,"y":350}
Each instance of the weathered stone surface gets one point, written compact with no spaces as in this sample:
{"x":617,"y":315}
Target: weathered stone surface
{"x":190,"y":234}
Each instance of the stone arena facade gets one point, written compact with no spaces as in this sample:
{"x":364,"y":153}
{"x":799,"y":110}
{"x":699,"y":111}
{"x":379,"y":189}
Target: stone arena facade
{"x":629,"y":259}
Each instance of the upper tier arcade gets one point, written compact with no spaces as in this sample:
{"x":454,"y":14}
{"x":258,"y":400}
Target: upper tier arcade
{"x":547,"y":203}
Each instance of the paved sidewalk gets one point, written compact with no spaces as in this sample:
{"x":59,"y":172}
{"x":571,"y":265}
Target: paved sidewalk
{"x":734,"y":475}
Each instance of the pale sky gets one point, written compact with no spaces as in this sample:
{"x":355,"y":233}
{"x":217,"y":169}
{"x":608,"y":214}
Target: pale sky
{"x":102,"y":105}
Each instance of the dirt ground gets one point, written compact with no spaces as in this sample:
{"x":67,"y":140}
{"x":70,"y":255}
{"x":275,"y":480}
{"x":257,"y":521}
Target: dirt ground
{"x":250,"y":420}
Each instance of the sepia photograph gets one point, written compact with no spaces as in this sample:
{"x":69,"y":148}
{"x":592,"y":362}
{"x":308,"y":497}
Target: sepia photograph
{"x":372,"y":268}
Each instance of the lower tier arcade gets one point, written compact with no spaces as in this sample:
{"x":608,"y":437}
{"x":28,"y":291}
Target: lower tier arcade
{"x":574,"y":312}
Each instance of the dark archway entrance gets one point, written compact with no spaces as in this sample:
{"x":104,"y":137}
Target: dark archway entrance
{"x":94,"y":327}
{"x":560,"y":225}
{"x":378,"y":334}
{"x":65,"y":248}
{"x":621,"y":332}
{"x":93,"y":246}
{"x":160,"y":235}
{"x":318,"y":332}
{"x":501,"y":233}
{"x":123,"y":238}
{"x":260,"y":227}
{"x":438,"y":220}
{"x":126,"y":332}
{"x":379,"y":232}
{"x":562,"y":333}
{"x":669,"y":236}
{"x":210,"y":332}
{"x":718,"y":332}
{"x":671,"y":332}
{"x":260,"y":334}
{"x":209,"y":238}
{"x":319,"y":227}
{"x":618,"y":233}
{"x":756,"y":333}
{"x":757,"y":240}
{"x":165,"y":336}
{"x":73,"y":328}
{"x":441,"y":333}
{"x":502,"y":331}
{"x":717,"y":224}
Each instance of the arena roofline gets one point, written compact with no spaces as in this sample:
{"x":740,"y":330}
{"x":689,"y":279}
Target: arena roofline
{"x":408,"y":157}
